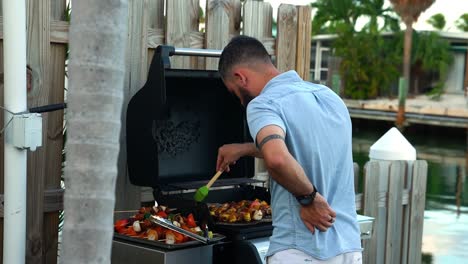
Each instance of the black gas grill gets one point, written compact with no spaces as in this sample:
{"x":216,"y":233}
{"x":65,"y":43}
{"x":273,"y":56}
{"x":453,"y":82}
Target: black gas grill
{"x":175,"y":124}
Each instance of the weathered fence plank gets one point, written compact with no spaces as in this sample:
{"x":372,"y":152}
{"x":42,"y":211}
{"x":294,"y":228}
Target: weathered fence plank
{"x":304,"y":28}
{"x":155,"y":10}
{"x":418,"y":200}
{"x":259,"y":27}
{"x":39,"y":57}
{"x":179,"y":27}
{"x":371,"y":180}
{"x":58,"y":31}
{"x":54,"y":134}
{"x":406,"y":216}
{"x":127,"y":195}
{"x":395,"y":209}
{"x":222,"y":22}
{"x":254,"y":23}
{"x":286,"y":42}
{"x":257,"y":23}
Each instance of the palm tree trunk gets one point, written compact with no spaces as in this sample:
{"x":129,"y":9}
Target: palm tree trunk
{"x":406,"y":74}
{"x":97,"y":64}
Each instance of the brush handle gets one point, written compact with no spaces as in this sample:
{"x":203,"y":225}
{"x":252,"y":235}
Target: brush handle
{"x":215,"y":177}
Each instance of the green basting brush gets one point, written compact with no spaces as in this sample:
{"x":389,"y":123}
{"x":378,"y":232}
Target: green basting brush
{"x":202,"y":192}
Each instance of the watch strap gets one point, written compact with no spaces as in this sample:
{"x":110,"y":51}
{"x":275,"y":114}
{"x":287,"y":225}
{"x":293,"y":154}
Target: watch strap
{"x":308,"y":198}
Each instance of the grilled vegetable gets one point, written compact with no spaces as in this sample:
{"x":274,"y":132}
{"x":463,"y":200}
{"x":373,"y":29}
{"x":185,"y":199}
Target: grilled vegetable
{"x":191,"y":221}
{"x":161,"y":214}
{"x":170,"y":237}
{"x":246,"y":216}
{"x":243,"y":211}
{"x":130,"y":232}
{"x":136,"y":226}
{"x":121,"y":225}
{"x":140,"y":226}
{"x":176,"y":223}
{"x":152,"y":234}
{"x":258,"y":215}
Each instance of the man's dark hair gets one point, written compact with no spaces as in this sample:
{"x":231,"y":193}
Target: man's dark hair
{"x":242,"y":49}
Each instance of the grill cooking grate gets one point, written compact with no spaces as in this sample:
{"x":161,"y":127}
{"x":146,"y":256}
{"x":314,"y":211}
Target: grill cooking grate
{"x":219,"y":183}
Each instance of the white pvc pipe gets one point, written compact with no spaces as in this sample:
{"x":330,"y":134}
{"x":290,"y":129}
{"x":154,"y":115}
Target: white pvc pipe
{"x":14,"y":50}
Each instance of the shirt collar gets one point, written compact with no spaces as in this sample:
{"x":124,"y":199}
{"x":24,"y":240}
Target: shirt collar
{"x":285,"y":77}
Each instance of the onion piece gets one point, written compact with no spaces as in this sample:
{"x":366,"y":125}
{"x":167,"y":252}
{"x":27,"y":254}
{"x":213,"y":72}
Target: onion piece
{"x":170,"y":238}
{"x":258,"y":215}
{"x":136,"y":226}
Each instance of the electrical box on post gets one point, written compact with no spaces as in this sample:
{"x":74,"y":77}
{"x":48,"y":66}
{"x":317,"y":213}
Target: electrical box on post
{"x":27,"y":131}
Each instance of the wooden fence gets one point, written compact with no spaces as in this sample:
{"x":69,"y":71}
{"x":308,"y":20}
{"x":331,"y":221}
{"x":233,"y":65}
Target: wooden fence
{"x":401,"y":189}
{"x":149,"y":26}
{"x":46,"y":38}
{"x":394,"y":194}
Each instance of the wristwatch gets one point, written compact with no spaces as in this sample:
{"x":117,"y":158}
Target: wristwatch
{"x":306,"y":199}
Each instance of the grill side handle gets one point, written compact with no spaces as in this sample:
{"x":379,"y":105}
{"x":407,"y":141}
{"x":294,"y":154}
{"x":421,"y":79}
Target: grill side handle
{"x":163,"y":52}
{"x":197,"y":52}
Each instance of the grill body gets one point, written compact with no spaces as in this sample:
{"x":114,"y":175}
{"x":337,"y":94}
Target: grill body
{"x":174,"y":126}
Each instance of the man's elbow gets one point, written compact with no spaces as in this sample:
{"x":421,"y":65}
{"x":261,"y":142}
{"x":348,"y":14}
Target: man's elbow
{"x":275,"y":161}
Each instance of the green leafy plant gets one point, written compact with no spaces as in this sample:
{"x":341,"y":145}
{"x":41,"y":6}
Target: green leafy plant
{"x":437,"y":21}
{"x":433,"y":54}
{"x":462,"y":22}
{"x":369,"y":64}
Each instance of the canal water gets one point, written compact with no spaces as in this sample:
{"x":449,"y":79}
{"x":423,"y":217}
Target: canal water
{"x":445,"y":233}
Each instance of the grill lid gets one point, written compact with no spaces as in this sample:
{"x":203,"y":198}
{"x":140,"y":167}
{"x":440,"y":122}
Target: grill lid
{"x":177,"y":121}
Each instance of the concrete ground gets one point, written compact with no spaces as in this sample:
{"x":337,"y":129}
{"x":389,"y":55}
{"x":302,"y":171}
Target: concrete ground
{"x":451,"y":105}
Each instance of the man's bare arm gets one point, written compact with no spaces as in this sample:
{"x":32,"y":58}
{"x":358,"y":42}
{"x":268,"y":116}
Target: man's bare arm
{"x":281,"y":164}
{"x":285,"y":170}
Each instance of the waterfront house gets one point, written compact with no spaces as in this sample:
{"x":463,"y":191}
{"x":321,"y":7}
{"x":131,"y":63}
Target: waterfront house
{"x":324,"y":66}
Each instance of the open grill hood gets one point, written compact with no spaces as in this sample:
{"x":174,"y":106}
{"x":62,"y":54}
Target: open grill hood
{"x":177,"y":121}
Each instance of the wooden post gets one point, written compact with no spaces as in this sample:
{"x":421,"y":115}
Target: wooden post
{"x":180,"y":27}
{"x":222,"y":22}
{"x":397,"y":233}
{"x":465,"y":82}
{"x":286,"y":41}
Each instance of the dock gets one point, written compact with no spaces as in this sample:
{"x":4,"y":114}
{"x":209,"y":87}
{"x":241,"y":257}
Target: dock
{"x":449,"y":111}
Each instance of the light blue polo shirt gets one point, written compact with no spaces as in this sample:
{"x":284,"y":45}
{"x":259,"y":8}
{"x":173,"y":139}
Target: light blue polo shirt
{"x":318,"y":135}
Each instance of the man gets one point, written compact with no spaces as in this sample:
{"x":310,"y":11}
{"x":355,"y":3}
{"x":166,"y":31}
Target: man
{"x":303,"y":132}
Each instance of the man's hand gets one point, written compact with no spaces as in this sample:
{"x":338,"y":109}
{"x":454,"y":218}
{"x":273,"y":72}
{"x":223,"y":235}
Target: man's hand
{"x":318,"y":214}
{"x":228,"y":155}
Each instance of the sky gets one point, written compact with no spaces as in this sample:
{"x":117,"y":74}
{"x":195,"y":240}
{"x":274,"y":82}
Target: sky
{"x":451,"y":9}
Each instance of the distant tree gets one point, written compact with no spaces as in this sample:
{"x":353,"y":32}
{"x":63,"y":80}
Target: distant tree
{"x":462,"y":22}
{"x":409,"y":11}
{"x":437,"y":21}
{"x":337,"y":15}
{"x":333,"y":15}
{"x":368,"y":64}
{"x":432,"y":55}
